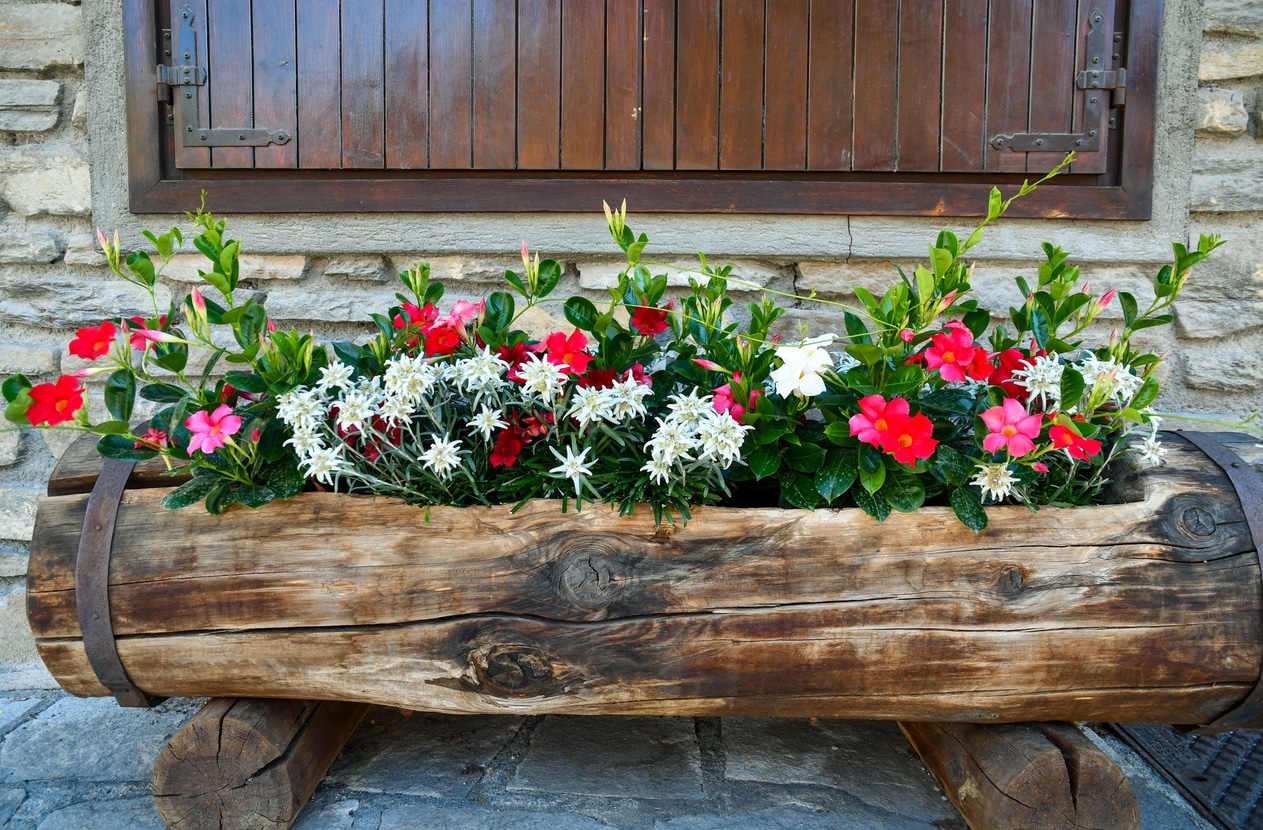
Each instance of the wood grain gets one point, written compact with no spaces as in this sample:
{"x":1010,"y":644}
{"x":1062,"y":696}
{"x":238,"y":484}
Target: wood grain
{"x":1036,"y":776}
{"x":742,"y":611}
{"x":830,"y":88}
{"x":196,"y":97}
{"x":582,"y":85}
{"x":451,"y":68}
{"x":363,"y":84}
{"x":623,"y":46}
{"x":964,"y":85}
{"x":785,"y":139}
{"x":697,"y":85}
{"x":658,"y":96}
{"x":407,"y":85}
{"x":230,"y":65}
{"x":319,"y":137}
{"x":275,"y":79}
{"x":539,"y":84}
{"x":741,"y":86}
{"x":876,"y":83}
{"x":1008,"y":79}
{"x":920,"y":85}
{"x":495,"y":84}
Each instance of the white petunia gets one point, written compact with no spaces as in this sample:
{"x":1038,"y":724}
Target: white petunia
{"x":487,"y":421}
{"x":995,"y":480}
{"x":441,"y":458}
{"x":800,"y":370}
{"x":573,"y":467}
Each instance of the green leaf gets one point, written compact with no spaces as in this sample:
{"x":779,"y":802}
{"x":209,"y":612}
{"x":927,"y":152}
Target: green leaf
{"x":246,"y":381}
{"x":967,"y":505}
{"x":904,"y":379}
{"x":1148,"y":393}
{"x":171,"y":356}
{"x":110,"y":428}
{"x":13,"y":386}
{"x":872,"y":480}
{"x":141,"y":266}
{"x":255,"y":496}
{"x":15,"y":412}
{"x":903,"y":490}
{"x":977,"y":321}
{"x":925,"y":280}
{"x":1150,"y":322}
{"x":839,"y":432}
{"x":872,"y":504}
{"x":805,"y":458}
{"x":122,"y":449}
{"x":272,"y":441}
{"x":581,"y":313}
{"x":1041,"y":327}
{"x":220,"y":499}
{"x":285,"y":479}
{"x":837,"y":474}
{"x":765,"y":460}
{"x":120,"y":394}
{"x":162,"y":393}
{"x":1072,"y":386}
{"x":549,"y":276}
{"x":514,"y":280}
{"x":955,"y":468}
{"x":864,"y":353}
{"x":190,"y":492}
{"x":219,"y":281}
{"x":799,"y":491}
{"x":499,"y":313}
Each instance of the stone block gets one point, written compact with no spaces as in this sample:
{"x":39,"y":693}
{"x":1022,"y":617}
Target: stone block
{"x":1234,"y":17}
{"x":40,"y":36}
{"x":410,"y":817}
{"x":358,"y":269}
{"x":747,"y":275}
{"x":46,"y":179}
{"x":1221,"y":112}
{"x":17,"y":514}
{"x":57,"y":441}
{"x":18,"y":655}
{"x":349,"y":304}
{"x":1198,"y":319}
{"x":1226,"y":185}
{"x":124,"y":814}
{"x":65,"y":303}
{"x":23,"y":246}
{"x":13,"y":564}
{"x":29,"y":360}
{"x":1223,"y":61}
{"x":29,"y":105}
{"x":1230,"y":371}
{"x":79,"y":116}
{"x":457,"y":268}
{"x":840,"y":278}
{"x":15,"y":708}
{"x":184,"y":267}
{"x":797,"y":818}
{"x":83,"y":250}
{"x":10,"y":449}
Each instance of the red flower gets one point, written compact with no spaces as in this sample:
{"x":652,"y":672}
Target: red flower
{"x":908,"y":439}
{"x":55,"y":403}
{"x":725,"y":402}
{"x":534,"y":426}
{"x":598,"y":379}
{"x":1075,"y":445}
{"x":441,"y":340}
{"x":90,"y":343}
{"x":874,"y":419}
{"x":420,"y":317}
{"x":1011,"y":360}
{"x":637,"y":373}
{"x":955,"y":355}
{"x":152,"y":440}
{"x":515,"y":356}
{"x":567,"y":352}
{"x":508,"y":447}
{"x":649,"y":321}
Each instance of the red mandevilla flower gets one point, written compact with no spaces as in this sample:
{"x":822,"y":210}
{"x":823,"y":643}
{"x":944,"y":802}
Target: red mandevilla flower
{"x":597,"y":379}
{"x":55,"y":403}
{"x":649,"y":321}
{"x":955,"y":355}
{"x":908,"y":439}
{"x":1075,"y":445}
{"x":90,"y":343}
{"x":567,"y":352}
{"x":872,"y":422}
{"x":508,"y":447}
{"x":441,"y":340}
{"x":515,"y":356}
{"x":152,"y":440}
{"x":1011,"y":429}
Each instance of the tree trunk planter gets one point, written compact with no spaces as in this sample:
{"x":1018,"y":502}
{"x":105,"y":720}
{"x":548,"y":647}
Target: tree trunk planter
{"x":1145,"y":611}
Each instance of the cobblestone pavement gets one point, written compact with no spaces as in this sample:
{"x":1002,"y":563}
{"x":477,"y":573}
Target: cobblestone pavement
{"x":71,"y":764}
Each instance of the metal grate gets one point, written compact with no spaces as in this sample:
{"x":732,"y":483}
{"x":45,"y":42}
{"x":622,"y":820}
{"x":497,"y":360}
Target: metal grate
{"x":1221,"y":775}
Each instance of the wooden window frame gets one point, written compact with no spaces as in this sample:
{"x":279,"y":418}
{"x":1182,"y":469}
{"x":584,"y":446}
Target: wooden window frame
{"x":155,"y":186}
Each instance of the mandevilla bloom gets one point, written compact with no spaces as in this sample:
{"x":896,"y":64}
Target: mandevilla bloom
{"x":55,"y":403}
{"x":956,"y":356}
{"x":1075,"y":445}
{"x":800,"y":370}
{"x":908,"y":439}
{"x":211,"y":430}
{"x":90,"y":343}
{"x":872,"y":422}
{"x":725,"y":400}
{"x":649,"y":321}
{"x":1011,"y":429}
{"x":567,"y":352}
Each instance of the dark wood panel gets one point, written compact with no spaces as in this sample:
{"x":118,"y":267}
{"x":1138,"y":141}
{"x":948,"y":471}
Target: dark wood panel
{"x":539,"y":84}
{"x":658,"y":96}
{"x":1008,"y":80}
{"x":495,"y":84}
{"x":876,"y":78}
{"x":190,"y":157}
{"x":920,"y":79}
{"x":451,"y":67}
{"x":831,"y":53}
{"x":622,"y":84}
{"x":319,"y":137}
{"x":1052,"y":74}
{"x":697,"y":85}
{"x":230,"y":65}
{"x":275,"y":79}
{"x":407,"y":84}
{"x":741,"y":86}
{"x":582,"y":85}
{"x":363,"y":84}
{"x":964,"y":85}
{"x":785,"y":134}
{"x":1095,"y":162}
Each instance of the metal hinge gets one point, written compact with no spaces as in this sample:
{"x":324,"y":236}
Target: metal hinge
{"x":1094,"y":80}
{"x":183,"y":77}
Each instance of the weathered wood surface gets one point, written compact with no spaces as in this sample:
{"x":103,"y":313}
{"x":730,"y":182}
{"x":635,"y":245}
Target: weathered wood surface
{"x":242,"y":764}
{"x":1026,"y":776}
{"x":1146,"y":611}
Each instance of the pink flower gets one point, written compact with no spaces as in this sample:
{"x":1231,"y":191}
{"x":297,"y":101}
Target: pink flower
{"x":954,"y":354}
{"x":154,"y":336}
{"x":873,"y":422}
{"x":152,"y":440}
{"x":210,"y":430}
{"x":1011,"y":428}
{"x":1108,"y":297}
{"x":709,"y":365}
{"x":462,"y":312}
{"x":725,"y":402}
{"x":1039,"y":467}
{"x":907,"y":335}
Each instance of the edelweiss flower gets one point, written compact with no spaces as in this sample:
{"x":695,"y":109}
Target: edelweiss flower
{"x":301,"y":408}
{"x":573,"y":467}
{"x":540,"y":377}
{"x":441,"y":457}
{"x":325,"y":462}
{"x":689,"y":409}
{"x":659,"y":470}
{"x":305,"y":442}
{"x":396,"y":409}
{"x":1151,"y":450}
{"x":590,"y":405}
{"x":1043,"y":380}
{"x":721,"y":438}
{"x":1117,"y":380}
{"x":995,"y":480}
{"x":627,"y":400}
{"x":336,"y":375}
{"x":357,"y":406}
{"x":483,"y":371}
{"x":672,"y":441}
{"x":800,"y":370}
{"x":487,"y":421}
{"x":409,"y":378}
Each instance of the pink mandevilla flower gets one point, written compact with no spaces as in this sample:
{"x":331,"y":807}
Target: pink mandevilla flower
{"x":1011,"y":428}
{"x":873,"y":421}
{"x":211,"y":429}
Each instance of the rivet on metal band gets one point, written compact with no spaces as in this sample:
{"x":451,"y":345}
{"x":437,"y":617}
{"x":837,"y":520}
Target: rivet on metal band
{"x":92,"y":585}
{"x":1249,"y":486}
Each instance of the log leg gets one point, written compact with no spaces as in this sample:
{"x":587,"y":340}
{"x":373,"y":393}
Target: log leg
{"x":247,"y":764}
{"x":1034,"y":776}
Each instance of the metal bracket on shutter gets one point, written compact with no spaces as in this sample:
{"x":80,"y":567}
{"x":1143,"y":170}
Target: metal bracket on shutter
{"x":1094,"y":81}
{"x":183,"y":77}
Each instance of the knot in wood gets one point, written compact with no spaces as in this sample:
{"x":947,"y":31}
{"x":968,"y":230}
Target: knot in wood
{"x":592,"y":570}
{"x":1196,"y":521}
{"x":1010,"y":581}
{"x":514,"y":671}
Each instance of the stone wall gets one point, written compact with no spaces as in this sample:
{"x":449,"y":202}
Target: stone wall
{"x":62,"y":170}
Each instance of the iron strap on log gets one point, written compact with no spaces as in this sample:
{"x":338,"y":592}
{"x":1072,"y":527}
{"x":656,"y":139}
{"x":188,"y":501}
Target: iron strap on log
{"x":92,"y":585}
{"x":1249,"y":486}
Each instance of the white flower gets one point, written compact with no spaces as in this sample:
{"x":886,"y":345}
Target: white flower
{"x":721,"y":438}
{"x":1117,"y":380}
{"x":540,"y":377}
{"x":800,"y":370}
{"x":325,"y":462}
{"x":336,"y":375}
{"x":396,"y":409}
{"x":301,"y":408}
{"x":305,"y":442}
{"x":1042,"y":380}
{"x":590,"y":405}
{"x":689,"y":409}
{"x":845,"y":362}
{"x":1151,"y":450}
{"x":357,"y":406}
{"x":409,"y":378}
{"x":659,"y":470}
{"x":573,"y":467}
{"x":627,"y":400}
{"x":483,"y":371}
{"x":441,"y":457}
{"x":487,"y":421}
{"x":995,"y":480}
{"x":672,"y":441}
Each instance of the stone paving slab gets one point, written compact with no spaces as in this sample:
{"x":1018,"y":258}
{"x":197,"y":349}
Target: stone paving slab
{"x":70,"y":764}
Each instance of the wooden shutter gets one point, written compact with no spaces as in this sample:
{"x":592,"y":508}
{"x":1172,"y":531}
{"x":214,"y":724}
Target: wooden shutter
{"x":773,"y":105}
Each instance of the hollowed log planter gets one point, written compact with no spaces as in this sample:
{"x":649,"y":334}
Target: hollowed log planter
{"x":1142,"y":611}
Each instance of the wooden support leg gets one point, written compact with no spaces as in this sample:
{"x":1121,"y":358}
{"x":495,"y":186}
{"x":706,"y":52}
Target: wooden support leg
{"x":1033,"y":776}
{"x":246,"y":764}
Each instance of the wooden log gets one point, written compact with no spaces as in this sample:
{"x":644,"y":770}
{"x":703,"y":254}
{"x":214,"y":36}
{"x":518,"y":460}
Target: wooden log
{"x":242,"y":764}
{"x":1026,"y":776}
{"x":742,"y":612}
